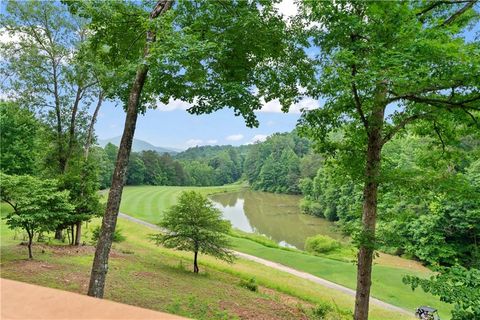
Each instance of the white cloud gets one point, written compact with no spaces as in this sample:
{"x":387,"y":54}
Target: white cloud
{"x":7,"y":37}
{"x":287,"y":8}
{"x":193,"y":142}
{"x":275,"y":106}
{"x":173,"y":105}
{"x":212,"y":141}
{"x":259,"y":138}
{"x":235,"y":137}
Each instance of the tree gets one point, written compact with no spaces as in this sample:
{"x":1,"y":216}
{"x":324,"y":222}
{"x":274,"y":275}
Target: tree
{"x":18,"y":132}
{"x":136,"y":170}
{"x":45,"y":61}
{"x":195,"y":225}
{"x":37,"y":204}
{"x":209,"y":53}
{"x":48,"y":61}
{"x":456,"y":285}
{"x":374,"y":57}
{"x":81,"y":179}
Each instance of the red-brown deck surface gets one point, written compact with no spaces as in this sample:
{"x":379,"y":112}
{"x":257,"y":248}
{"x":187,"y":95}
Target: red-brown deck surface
{"x":25,"y":301}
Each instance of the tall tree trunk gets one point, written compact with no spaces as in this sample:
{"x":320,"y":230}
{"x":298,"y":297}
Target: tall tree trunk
{"x":59,"y":233}
{"x":88,"y":142}
{"x":78,"y":234}
{"x":100,"y":262}
{"x":72,"y":232}
{"x":92,"y":124}
{"x":71,"y":129}
{"x":30,"y":240}
{"x":367,"y":244}
{"x":61,"y":162}
{"x":195,"y":264}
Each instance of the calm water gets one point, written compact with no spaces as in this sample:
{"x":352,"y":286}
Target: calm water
{"x":273,"y":215}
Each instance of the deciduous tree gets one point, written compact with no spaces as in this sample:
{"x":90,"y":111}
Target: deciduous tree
{"x":195,"y":225}
{"x":212,"y":54}
{"x":379,"y":67}
{"x":37,"y":204}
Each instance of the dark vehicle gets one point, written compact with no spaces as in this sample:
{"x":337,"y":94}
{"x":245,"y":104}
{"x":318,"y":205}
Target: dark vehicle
{"x":427,"y":313}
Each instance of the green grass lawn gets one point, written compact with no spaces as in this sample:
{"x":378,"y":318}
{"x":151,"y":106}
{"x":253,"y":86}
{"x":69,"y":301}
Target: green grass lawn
{"x":145,"y":275}
{"x":148,"y":203}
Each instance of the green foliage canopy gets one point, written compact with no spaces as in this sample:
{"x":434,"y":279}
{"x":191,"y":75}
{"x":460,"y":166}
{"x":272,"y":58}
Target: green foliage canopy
{"x":37,"y":204}
{"x":195,"y":225}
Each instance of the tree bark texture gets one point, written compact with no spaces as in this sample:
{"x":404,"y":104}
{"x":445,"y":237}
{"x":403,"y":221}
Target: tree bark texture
{"x":195,"y":263}
{"x":369,"y":214}
{"x":78,"y":233}
{"x":100,"y":262}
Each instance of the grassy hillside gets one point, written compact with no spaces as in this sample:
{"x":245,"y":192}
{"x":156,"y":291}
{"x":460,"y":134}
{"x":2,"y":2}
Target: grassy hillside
{"x":145,"y":275}
{"x":148,"y":202}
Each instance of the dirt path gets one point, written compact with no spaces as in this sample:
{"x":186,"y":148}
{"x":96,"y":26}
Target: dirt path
{"x":289,"y":270}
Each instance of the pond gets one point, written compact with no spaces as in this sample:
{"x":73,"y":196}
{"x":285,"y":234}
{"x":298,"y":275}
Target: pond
{"x":276,"y":216}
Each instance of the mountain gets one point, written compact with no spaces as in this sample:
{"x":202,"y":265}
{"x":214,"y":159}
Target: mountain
{"x":138,"y":145}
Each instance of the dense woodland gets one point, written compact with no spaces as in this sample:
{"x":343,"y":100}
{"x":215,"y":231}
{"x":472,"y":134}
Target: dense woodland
{"x":392,"y":155}
{"x":446,"y":188}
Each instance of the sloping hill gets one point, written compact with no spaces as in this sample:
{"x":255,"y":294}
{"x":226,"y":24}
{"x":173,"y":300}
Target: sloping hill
{"x":138,"y":145}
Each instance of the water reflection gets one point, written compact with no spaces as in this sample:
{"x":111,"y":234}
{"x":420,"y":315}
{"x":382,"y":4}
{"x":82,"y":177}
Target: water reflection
{"x":274,"y":215}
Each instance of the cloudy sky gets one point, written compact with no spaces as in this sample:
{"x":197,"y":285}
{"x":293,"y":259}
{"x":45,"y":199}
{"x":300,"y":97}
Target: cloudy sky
{"x":171,"y":126}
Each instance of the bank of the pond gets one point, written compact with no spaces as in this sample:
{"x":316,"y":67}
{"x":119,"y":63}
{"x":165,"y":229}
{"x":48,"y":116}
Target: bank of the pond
{"x":387,"y":282}
{"x":276,"y":216}
{"x":157,"y":278}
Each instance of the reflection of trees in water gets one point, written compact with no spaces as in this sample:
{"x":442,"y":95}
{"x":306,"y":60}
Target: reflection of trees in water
{"x":227,"y":199}
{"x":276,"y":216}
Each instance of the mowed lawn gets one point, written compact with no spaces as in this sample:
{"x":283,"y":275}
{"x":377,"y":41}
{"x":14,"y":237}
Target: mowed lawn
{"x":148,"y":203}
{"x":153,"y":277}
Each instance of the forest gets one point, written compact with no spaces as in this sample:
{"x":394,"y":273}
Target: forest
{"x":441,"y":209}
{"x":391,"y":156}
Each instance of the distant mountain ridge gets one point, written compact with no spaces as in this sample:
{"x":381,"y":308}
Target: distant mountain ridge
{"x":138,"y":145}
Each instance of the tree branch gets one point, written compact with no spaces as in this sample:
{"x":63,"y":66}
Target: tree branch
{"x":437,"y":4}
{"x":358,"y":103}
{"x":458,"y":13}
{"x":471,"y":116}
{"x":11,"y":204}
{"x":437,"y":131}
{"x":389,"y":135}
{"x":443,"y":103}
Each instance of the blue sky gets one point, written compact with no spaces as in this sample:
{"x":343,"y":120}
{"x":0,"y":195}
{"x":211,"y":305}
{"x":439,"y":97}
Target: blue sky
{"x":178,"y":129}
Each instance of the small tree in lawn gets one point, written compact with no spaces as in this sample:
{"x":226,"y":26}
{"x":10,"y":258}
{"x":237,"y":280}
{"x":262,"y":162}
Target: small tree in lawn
{"x":37,"y":204}
{"x":195,"y":225}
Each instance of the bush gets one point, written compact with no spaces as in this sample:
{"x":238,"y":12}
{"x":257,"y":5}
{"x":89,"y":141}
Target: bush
{"x":251,"y":284}
{"x":331,"y":213}
{"x":321,"y":310}
{"x":321,"y":244}
{"x":117,"y":235}
{"x":311,"y":207}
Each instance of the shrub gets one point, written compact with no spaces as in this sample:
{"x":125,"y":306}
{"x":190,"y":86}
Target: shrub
{"x":251,"y":284}
{"x":311,"y":207}
{"x":117,"y":235}
{"x":321,"y":244}
{"x":331,"y":213}
{"x":321,"y":310}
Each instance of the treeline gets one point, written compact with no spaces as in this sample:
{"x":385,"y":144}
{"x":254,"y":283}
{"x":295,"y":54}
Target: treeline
{"x":275,"y":165}
{"x":428,"y":210}
{"x":199,"y":166}
{"x":278,"y":164}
